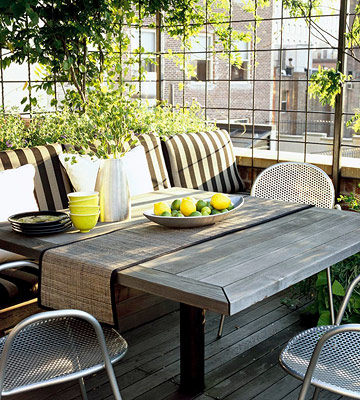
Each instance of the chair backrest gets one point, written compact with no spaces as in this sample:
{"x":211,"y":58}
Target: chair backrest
{"x":31,"y":338}
{"x":295,"y":182}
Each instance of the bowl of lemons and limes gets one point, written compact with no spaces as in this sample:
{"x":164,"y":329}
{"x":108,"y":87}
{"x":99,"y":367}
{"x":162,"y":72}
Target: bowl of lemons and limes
{"x":188,"y":212}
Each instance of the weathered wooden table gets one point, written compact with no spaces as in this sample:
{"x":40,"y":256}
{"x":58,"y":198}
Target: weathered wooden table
{"x":230,"y":273}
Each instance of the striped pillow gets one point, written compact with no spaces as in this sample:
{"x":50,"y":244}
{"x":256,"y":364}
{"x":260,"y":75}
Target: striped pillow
{"x":51,"y":182}
{"x":203,"y":161}
{"x":154,"y":156}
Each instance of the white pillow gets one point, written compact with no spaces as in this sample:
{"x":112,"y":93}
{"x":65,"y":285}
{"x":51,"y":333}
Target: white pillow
{"x":137,"y":171}
{"x":81,"y":169}
{"x":17,"y":191}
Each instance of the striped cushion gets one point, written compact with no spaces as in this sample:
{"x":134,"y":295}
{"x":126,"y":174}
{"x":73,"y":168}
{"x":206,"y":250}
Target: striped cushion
{"x":154,"y":156}
{"x":204,"y":161}
{"x":51,"y":182}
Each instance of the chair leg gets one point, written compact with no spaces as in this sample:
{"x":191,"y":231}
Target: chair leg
{"x":82,"y":388}
{"x":221,"y":326}
{"x":316,"y":393}
{"x":331,"y":303}
{"x":113,"y":382}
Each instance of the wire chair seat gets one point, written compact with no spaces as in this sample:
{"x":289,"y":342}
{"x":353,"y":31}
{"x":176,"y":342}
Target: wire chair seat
{"x":337,"y":368}
{"x":57,"y":349}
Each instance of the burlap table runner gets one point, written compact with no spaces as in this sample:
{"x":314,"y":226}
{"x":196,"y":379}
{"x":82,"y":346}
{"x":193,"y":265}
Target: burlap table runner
{"x":80,"y":275}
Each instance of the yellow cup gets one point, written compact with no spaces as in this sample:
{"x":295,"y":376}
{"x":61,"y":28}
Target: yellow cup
{"x":89,"y":202}
{"x":82,"y":195}
{"x":84,"y":222}
{"x":83,"y":209}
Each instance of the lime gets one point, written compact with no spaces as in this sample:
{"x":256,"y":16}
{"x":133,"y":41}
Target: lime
{"x":224,"y":210}
{"x":187,"y":207}
{"x":220,"y":201}
{"x":159,"y":208}
{"x":231,"y":207}
{"x":178,"y":214}
{"x":166,"y":214}
{"x":214,"y":211}
{"x":200,"y":205}
{"x":195,"y":214}
{"x":209,"y":205}
{"x":174,"y":213}
{"x":206,"y":211}
{"x":175,"y":205}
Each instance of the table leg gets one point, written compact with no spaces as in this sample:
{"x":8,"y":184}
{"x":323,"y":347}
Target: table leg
{"x":192,"y":346}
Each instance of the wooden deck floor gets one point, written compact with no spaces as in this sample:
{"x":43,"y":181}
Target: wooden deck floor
{"x":242,"y":365}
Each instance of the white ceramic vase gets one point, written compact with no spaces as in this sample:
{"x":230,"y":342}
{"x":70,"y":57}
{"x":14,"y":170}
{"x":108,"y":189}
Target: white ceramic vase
{"x":114,"y":195}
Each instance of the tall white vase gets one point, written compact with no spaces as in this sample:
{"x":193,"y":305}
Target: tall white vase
{"x":113,"y":191}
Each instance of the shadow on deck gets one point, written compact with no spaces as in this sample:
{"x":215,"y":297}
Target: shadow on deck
{"x":242,"y":365}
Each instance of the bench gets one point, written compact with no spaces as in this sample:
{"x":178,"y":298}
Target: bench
{"x":200,"y":161}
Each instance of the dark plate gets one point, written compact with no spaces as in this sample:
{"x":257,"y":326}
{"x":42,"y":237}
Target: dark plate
{"x":40,"y":229}
{"x":14,"y":219}
{"x":44,"y":231}
{"x":36,"y":227}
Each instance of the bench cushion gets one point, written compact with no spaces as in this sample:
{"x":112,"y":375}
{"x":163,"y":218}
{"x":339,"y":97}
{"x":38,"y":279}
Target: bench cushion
{"x":204,"y":161}
{"x":51,"y":182}
{"x":17,"y":285}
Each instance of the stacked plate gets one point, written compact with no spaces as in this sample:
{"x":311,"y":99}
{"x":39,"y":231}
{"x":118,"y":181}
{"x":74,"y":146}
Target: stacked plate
{"x":40,"y":222}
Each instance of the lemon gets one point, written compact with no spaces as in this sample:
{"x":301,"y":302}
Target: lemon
{"x":200,"y":205}
{"x":175,"y":205}
{"x":187,"y":207}
{"x":190,"y":198}
{"x":220,"y":201}
{"x":161,"y":207}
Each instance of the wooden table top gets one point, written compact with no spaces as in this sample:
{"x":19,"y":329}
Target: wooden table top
{"x":229,"y":273}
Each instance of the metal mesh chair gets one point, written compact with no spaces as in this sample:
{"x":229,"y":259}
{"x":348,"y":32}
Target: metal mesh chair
{"x":295,"y":182}
{"x":298,"y":183}
{"x":55,"y":347}
{"x":326,"y":356}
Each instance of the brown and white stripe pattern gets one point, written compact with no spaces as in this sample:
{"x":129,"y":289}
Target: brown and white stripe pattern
{"x":154,"y":156}
{"x":203,"y":160}
{"x":51,"y":182}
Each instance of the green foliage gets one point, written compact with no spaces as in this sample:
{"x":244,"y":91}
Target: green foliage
{"x":315,"y":288}
{"x":303,"y":8}
{"x":13,"y":132}
{"x":343,"y":274}
{"x":107,"y":124}
{"x":354,"y":122}
{"x":351,"y":200}
{"x":326,"y":84}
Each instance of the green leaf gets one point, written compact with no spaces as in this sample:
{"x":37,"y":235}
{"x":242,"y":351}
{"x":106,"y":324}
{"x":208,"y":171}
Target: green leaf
{"x":82,"y":68}
{"x":324,"y":318}
{"x":338,"y":289}
{"x":66,"y":65}
{"x":24,"y":100}
{"x":321,"y":279}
